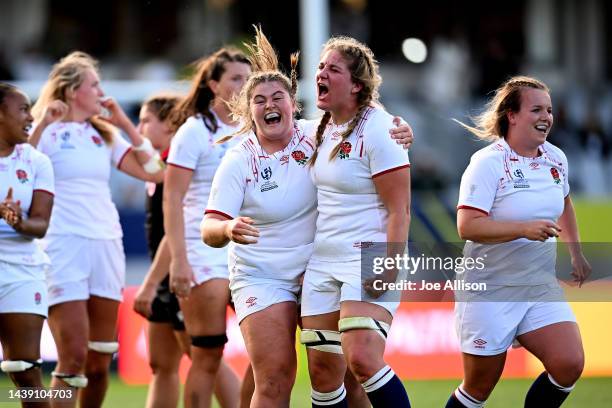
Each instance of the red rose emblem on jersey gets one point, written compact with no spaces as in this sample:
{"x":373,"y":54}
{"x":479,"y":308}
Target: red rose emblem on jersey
{"x":22,"y":176}
{"x":97,"y":140}
{"x":299,"y":156}
{"x":345,"y":150}
{"x":37,"y":298}
{"x":555,"y":175}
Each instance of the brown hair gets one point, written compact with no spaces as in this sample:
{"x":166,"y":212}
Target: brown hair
{"x":265,"y":69}
{"x":492,"y":124}
{"x":200,"y":95}
{"x":364,"y":71}
{"x":162,"y":105}
{"x":68,"y":74}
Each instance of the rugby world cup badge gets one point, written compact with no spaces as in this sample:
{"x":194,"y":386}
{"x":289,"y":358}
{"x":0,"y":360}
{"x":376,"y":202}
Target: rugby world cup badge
{"x":520,"y":181}
{"x":267,"y":175}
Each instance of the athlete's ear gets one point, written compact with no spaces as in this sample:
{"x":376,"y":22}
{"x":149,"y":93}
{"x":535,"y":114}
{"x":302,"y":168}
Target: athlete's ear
{"x":356,"y":88}
{"x":70,"y":94}
{"x":213,"y":85}
{"x":511,"y":116}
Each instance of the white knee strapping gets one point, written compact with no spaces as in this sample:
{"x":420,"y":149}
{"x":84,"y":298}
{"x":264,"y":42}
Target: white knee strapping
{"x":106,"y":347}
{"x":367,"y":323}
{"x":74,"y":380}
{"x":16,"y":366}
{"x":322,"y":340}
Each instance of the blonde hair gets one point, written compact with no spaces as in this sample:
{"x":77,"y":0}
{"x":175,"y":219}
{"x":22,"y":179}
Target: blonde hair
{"x":264,"y":62}
{"x":67,"y":75}
{"x":364,"y":71}
{"x":492,"y":124}
{"x":200,"y":96}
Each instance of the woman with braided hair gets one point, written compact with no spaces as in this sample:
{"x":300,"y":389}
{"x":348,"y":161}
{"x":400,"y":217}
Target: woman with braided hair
{"x":363,"y":192}
{"x":263,"y":203}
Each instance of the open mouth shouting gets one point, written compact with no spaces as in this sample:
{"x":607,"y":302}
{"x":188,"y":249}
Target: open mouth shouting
{"x":322,"y":90}
{"x":272,"y":118}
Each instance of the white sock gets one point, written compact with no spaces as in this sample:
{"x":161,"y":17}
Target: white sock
{"x":383,"y":376}
{"x":560,"y":387}
{"x":328,"y":398}
{"x":466,"y":399}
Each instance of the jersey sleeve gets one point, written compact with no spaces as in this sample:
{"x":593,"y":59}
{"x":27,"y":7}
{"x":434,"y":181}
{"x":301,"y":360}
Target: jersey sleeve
{"x":384,"y":153}
{"x":565,"y":170}
{"x":119,"y":148}
{"x":187,"y":144}
{"x":228,"y":187}
{"x":478,"y":184}
{"x":44,"y":180}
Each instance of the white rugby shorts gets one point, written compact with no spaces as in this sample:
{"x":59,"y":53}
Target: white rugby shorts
{"x":252,"y":294}
{"x":491,"y":328}
{"x":82,"y":267}
{"x":207,"y":263}
{"x":327,"y":284}
{"x":25,"y":296}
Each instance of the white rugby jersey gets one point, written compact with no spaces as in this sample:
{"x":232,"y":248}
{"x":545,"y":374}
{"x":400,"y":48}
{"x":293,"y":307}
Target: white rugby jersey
{"x":193,"y":148}
{"x":509,"y":187}
{"x":275,"y":190}
{"x":82,"y":166}
{"x":25,"y":170}
{"x":350,"y":211}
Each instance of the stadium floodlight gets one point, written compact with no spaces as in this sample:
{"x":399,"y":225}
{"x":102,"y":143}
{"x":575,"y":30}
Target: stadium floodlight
{"x":414,"y":50}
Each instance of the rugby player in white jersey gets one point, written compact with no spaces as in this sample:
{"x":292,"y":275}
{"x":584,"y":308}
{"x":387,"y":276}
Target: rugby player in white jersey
{"x":26,"y":191}
{"x":87,"y":273}
{"x":363,"y":190}
{"x":513,"y":203}
{"x":198,"y":273}
{"x":263,"y":202}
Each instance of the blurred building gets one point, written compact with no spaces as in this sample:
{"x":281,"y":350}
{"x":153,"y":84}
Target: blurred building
{"x":471,"y":48}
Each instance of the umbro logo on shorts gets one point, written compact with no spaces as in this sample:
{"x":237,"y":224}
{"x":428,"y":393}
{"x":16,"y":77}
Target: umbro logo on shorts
{"x":252,"y":301}
{"x":480,"y":343}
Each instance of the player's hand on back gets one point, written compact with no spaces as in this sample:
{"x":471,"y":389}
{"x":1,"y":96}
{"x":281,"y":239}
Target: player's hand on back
{"x":402,"y":133}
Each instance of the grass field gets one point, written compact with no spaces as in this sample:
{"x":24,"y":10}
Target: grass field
{"x":589,"y":392}
{"x":595,"y":225}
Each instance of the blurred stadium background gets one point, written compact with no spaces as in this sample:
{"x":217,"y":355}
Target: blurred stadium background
{"x":439,"y":59}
